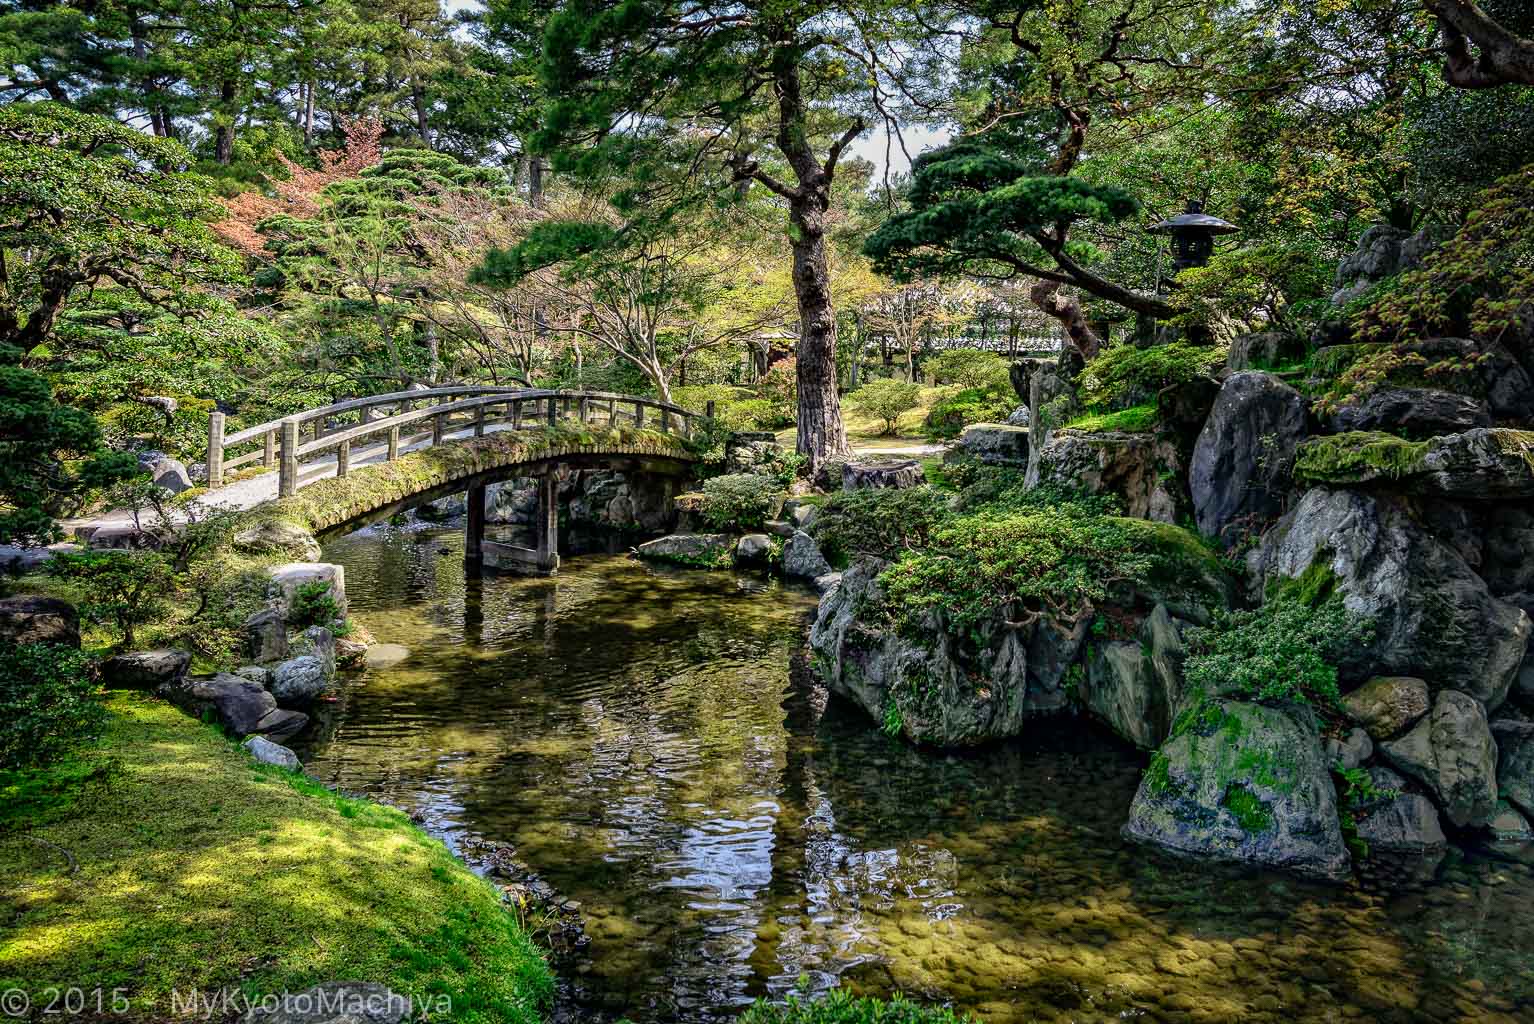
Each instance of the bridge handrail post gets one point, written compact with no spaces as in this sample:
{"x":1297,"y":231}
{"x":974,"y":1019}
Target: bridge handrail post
{"x":639,"y":415}
{"x":215,"y":449}
{"x":516,"y":414}
{"x":551,"y":410}
{"x":287,"y":465}
{"x":269,"y":449}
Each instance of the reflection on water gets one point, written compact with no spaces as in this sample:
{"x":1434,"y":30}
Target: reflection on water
{"x":635,"y":734}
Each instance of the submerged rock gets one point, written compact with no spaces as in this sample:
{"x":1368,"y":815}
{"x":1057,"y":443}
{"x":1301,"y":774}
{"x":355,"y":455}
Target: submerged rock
{"x":1246,"y":783}
{"x":1244,"y":456}
{"x":381,"y":656}
{"x":1434,"y":617}
{"x":699,"y":550}
{"x":1451,"y":752}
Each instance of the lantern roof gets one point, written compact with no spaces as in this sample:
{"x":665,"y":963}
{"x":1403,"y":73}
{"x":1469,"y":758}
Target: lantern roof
{"x":1194,"y":219}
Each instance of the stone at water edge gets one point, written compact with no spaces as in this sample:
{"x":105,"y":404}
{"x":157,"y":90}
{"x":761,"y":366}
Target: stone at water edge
{"x":144,"y":670}
{"x":299,"y":681}
{"x":318,"y":642}
{"x":381,"y":656}
{"x":753,"y":549}
{"x":334,"y":1002}
{"x":1243,"y":459}
{"x":828,"y":582}
{"x":1452,"y":753}
{"x":286,"y":579}
{"x":279,"y":724}
{"x":1508,"y":826}
{"x":256,"y":674}
{"x":1387,"y":706}
{"x":1402,"y":825}
{"x":1245,"y":783}
{"x":239,"y":704}
{"x":29,"y":619}
{"x":1434,"y":617}
{"x":267,"y":752}
{"x":802,"y":557}
{"x":1515,"y":763}
{"x":699,"y":550}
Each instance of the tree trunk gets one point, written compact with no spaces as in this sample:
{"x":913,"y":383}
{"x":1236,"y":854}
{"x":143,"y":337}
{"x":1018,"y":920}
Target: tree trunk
{"x":1066,"y":309}
{"x":822,"y":435}
{"x":535,"y":181}
{"x":418,"y":98}
{"x":224,"y":146}
{"x":308,"y":113}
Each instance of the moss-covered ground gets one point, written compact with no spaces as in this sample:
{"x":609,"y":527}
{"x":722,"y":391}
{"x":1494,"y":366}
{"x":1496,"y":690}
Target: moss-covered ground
{"x":165,"y":859}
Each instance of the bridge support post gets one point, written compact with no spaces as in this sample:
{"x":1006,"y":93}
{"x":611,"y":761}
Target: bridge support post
{"x":474,"y":530}
{"x":548,"y":522}
{"x":287,"y":466}
{"x":215,"y":449}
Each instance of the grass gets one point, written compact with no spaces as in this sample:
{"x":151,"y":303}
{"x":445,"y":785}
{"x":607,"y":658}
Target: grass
{"x":1135,"y":420}
{"x":199,"y":869}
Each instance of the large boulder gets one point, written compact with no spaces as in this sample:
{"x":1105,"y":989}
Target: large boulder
{"x":279,"y":724}
{"x":754,"y":549}
{"x":144,"y":670}
{"x":1401,"y":823}
{"x":1264,"y":351}
{"x":318,"y":642}
{"x":1141,"y":469}
{"x":274,"y":536}
{"x":513,"y":502}
{"x":239,"y":704}
{"x":1246,"y":783}
{"x":1515,"y":763}
{"x":300,"y":681}
{"x":939,"y":687}
{"x":1135,"y":686}
{"x":266,"y":636}
{"x":1478,"y":465}
{"x":698,"y":550}
{"x":873,"y":474}
{"x":287,"y":579}
{"x":1387,"y":706}
{"x":995,"y":444}
{"x":1412,"y":412}
{"x":1244,"y":456}
{"x":1434,"y":617}
{"x":802,"y":557}
{"x":170,"y":474}
{"x":1452,"y":753}
{"x":29,"y":619}
{"x":1378,"y":254}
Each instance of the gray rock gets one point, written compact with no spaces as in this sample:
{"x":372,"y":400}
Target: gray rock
{"x":1434,"y":617}
{"x":1451,"y":752}
{"x":20,"y":560}
{"x":753,"y":549}
{"x":1122,"y":689}
{"x":746,"y":450}
{"x":266,"y":636}
{"x":1264,"y":351}
{"x":144,"y":670}
{"x":802,"y":557}
{"x":1243,"y":459}
{"x":299,"y":681}
{"x":947,"y":692}
{"x":286,"y":579}
{"x":800,"y":513}
{"x":1020,"y":417}
{"x":1142,"y":469}
{"x":1246,"y":783}
{"x":873,"y":474}
{"x":995,"y":444}
{"x":1405,"y":825}
{"x":29,"y":619}
{"x":1508,"y":826}
{"x":780,"y":528}
{"x":170,"y":474}
{"x":237,"y":704}
{"x":1387,"y":706}
{"x":1515,"y":763}
{"x":1412,"y":412}
{"x":318,"y":642}
{"x":829,"y":581}
{"x":279,"y":724}
{"x":1506,"y":533}
{"x":334,"y":1002}
{"x":381,"y":656}
{"x":273,"y":536}
{"x":1351,"y":750}
{"x":120,"y":537}
{"x":1378,"y":255}
{"x":699,"y":550}
{"x":512,"y":502}
{"x":255,"y":673}
{"x":1478,"y":465}
{"x":267,"y":752}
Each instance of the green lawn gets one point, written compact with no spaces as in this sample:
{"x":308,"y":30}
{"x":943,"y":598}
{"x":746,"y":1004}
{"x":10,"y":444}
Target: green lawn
{"x":198,"y":868}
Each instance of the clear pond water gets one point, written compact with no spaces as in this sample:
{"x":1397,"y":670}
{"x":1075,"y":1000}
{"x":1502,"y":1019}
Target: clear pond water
{"x":641,"y":738}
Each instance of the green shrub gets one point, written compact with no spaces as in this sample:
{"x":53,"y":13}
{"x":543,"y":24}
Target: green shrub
{"x":1051,"y":561}
{"x":779,"y":388}
{"x":314,"y":605}
{"x":886,"y":399}
{"x":1285,"y":651}
{"x":121,"y":588}
{"x":739,"y":501}
{"x":1137,"y":419}
{"x":734,"y":408}
{"x":882,"y":522}
{"x":950,"y":414}
{"x":841,"y":1007}
{"x":49,"y":705}
{"x":1126,"y":375}
{"x":972,"y":369}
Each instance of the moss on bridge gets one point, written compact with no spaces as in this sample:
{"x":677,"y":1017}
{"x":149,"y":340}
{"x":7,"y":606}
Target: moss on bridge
{"x":329,"y":503}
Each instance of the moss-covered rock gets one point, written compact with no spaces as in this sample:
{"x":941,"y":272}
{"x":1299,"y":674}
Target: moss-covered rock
{"x":1246,"y":783}
{"x":1478,"y":464}
{"x":695,"y":550}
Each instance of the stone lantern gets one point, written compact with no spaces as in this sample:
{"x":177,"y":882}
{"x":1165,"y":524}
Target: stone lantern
{"x":1192,"y":235}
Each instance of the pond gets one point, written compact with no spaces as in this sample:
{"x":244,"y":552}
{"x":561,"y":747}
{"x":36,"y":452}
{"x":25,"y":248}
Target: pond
{"x":648,"y":742}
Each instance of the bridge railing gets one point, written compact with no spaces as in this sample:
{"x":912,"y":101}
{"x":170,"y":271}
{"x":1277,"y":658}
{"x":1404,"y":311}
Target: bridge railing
{"x":409,"y":417}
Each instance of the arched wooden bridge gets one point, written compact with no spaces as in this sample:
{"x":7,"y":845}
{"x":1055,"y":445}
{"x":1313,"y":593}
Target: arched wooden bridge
{"x":333,"y":442}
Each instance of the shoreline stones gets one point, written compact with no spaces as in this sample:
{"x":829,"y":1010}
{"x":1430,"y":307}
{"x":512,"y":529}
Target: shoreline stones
{"x":267,"y":752}
{"x":1452,"y":753}
{"x":699,"y":550}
